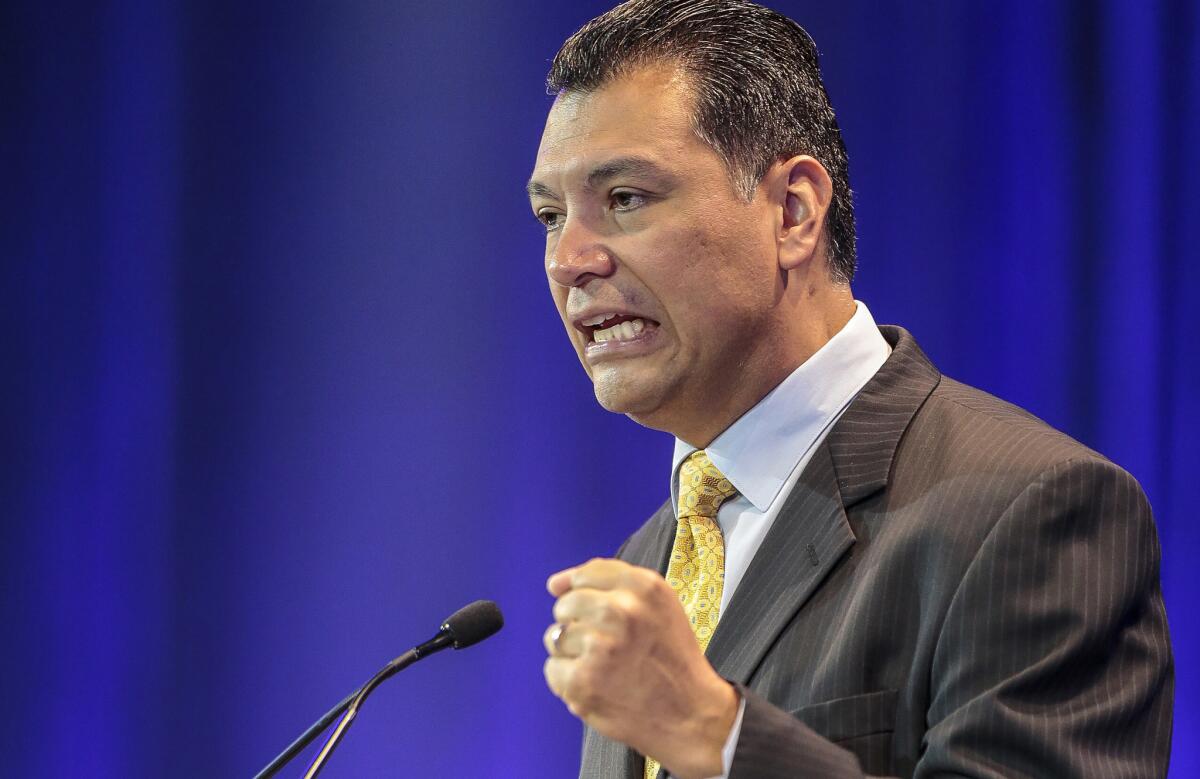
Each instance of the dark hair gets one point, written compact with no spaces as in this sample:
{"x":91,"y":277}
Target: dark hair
{"x":757,"y":86}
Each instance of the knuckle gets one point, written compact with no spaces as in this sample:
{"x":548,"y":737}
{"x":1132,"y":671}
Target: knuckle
{"x":640,"y":616}
{"x":616,"y":620}
{"x":572,"y":690}
{"x":569,"y":606}
{"x":575,"y":640}
{"x":642,"y":581}
{"x":632,"y":606}
{"x":610,"y":609}
{"x":560,"y":608}
{"x":602,"y":650}
{"x":583,"y":683}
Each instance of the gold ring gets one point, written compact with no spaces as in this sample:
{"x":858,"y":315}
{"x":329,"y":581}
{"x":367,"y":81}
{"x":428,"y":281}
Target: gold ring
{"x":556,"y":634}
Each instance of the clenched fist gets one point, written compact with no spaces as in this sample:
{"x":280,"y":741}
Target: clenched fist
{"x":624,"y":660}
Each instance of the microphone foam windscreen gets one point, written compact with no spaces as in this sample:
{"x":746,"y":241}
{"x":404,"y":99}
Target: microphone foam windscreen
{"x":473,"y":623}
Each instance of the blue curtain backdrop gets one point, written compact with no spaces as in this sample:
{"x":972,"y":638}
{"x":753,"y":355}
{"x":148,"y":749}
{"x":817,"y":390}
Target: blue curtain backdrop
{"x":283,"y":387}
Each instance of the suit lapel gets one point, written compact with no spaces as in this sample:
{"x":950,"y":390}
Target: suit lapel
{"x":650,"y":546}
{"x":864,"y":441}
{"x":808,"y":537}
{"x":812,"y":532}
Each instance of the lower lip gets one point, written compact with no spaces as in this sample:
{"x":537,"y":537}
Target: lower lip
{"x":643,"y":343}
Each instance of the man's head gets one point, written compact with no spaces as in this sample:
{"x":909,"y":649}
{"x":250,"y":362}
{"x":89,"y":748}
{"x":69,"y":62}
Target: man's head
{"x":677,"y":200}
{"x":755,"y":81}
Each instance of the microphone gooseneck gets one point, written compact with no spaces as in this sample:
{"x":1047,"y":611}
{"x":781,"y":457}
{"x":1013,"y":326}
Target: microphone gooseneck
{"x":465,"y":627}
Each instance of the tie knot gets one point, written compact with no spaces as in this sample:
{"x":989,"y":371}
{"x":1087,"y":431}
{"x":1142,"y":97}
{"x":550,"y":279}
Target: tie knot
{"x":702,"y":488}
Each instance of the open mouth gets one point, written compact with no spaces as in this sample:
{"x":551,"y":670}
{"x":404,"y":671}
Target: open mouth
{"x":616,"y":327}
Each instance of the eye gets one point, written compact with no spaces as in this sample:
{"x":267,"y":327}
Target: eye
{"x":552,"y":220}
{"x":624,"y":200}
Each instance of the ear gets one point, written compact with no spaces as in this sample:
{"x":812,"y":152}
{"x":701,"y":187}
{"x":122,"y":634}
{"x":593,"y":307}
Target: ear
{"x":806,"y":198}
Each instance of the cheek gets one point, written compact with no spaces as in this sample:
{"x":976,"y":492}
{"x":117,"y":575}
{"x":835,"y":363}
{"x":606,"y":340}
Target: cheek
{"x":723,"y":271}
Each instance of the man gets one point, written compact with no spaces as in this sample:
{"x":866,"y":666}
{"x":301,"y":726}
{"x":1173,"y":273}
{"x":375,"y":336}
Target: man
{"x":865,"y":567}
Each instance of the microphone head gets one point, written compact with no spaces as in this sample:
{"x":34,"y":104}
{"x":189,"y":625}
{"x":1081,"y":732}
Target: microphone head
{"x":473,"y":623}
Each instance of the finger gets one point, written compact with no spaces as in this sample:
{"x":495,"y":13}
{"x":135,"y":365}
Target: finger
{"x":583,"y":605}
{"x":561,"y":677}
{"x":560,"y":582}
{"x":600,"y":573}
{"x":557,"y":670}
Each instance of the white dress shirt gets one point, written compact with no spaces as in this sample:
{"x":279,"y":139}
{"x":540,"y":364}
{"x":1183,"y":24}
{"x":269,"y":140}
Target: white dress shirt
{"x":765,"y":450}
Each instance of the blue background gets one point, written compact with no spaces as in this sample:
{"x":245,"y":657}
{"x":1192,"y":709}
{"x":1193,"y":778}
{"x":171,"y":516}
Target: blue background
{"x":283,"y":386}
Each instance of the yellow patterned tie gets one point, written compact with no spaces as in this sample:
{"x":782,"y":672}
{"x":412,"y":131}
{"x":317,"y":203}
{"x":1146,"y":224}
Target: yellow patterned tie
{"x":697,"y":567}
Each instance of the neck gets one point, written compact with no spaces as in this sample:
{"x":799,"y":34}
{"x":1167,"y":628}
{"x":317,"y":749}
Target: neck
{"x":806,"y":330}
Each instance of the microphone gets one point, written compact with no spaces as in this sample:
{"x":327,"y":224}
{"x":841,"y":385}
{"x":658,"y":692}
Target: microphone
{"x":465,"y":627}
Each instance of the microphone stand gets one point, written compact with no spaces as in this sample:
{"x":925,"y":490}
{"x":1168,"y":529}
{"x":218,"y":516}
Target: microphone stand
{"x":389,"y":670}
{"x":294,"y":748}
{"x":465,"y":627}
{"x":350,"y":705}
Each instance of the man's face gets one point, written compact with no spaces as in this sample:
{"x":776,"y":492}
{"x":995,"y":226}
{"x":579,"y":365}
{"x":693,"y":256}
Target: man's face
{"x":664,"y":277}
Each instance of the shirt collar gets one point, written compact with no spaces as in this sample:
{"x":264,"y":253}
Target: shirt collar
{"x":760,"y":450}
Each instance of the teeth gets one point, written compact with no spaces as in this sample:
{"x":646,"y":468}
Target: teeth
{"x":625,"y":331}
{"x":597,"y":320}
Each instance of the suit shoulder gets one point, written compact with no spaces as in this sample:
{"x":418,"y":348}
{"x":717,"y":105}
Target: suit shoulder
{"x":973,"y":424}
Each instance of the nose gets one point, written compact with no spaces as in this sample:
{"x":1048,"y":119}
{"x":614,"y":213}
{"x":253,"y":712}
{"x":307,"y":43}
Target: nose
{"x":578,"y":256}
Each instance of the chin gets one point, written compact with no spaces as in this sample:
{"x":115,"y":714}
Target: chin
{"x":616,"y":402}
{"x":639,"y":402}
{"x":618,"y":396}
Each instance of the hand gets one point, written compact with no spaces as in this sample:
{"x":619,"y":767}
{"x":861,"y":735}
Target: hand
{"x":627,"y":664}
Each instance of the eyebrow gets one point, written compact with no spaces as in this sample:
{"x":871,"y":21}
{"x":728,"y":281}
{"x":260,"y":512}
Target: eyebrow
{"x":538,"y":189}
{"x":620,"y":166}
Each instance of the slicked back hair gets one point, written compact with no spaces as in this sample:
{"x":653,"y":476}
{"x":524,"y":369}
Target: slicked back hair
{"x":756,"y":83}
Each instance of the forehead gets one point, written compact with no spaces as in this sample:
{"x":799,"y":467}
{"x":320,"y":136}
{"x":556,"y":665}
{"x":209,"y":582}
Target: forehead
{"x":647,"y":114}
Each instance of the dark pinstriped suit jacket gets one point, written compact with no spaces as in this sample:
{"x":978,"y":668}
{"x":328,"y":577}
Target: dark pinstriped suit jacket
{"x":952,"y":589}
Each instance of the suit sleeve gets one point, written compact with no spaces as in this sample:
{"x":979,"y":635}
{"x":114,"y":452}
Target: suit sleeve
{"x":1053,"y":658}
